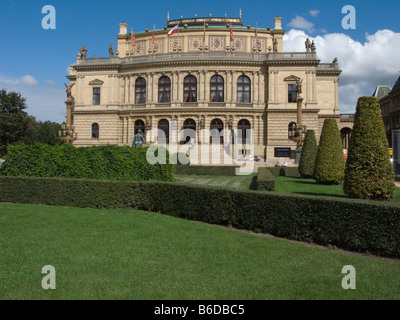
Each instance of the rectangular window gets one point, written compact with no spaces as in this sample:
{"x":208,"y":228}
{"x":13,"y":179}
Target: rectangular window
{"x":292,"y":93}
{"x":96,"y":96}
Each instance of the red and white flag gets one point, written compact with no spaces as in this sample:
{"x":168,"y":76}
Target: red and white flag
{"x":232,"y":39}
{"x":173,"y":30}
{"x":154,"y":34}
{"x":204,"y":34}
{"x":133,"y":39}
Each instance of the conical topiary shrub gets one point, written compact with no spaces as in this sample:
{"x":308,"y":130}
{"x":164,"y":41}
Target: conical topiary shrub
{"x":330,"y":163}
{"x":369,"y":172}
{"x":308,"y":155}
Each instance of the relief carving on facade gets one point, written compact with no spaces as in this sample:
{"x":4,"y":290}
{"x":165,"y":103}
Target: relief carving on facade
{"x":217,"y":43}
{"x":139,"y":49}
{"x":175,"y":44}
{"x":240,"y":44}
{"x":195,"y":43}
{"x":261,"y":46}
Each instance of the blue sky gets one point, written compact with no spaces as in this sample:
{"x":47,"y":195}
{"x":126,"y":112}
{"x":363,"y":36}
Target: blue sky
{"x":34,"y":61}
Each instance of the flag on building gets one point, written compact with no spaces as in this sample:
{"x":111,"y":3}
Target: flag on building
{"x":204,"y":33}
{"x":154,"y":34}
{"x":173,"y":30}
{"x":133,"y":39}
{"x":232,"y":39}
{"x":256,"y":34}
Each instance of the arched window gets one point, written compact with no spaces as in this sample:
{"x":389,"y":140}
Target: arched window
{"x":190,"y":89}
{"x":189,"y":130}
{"x":216,"y":131}
{"x":243,"y":89}
{"x":217,"y":89}
{"x":95,"y":131}
{"x":164,"y":90}
{"x":243,"y":127}
{"x":139,"y":125}
{"x":140,"y":90}
{"x":163,"y":137}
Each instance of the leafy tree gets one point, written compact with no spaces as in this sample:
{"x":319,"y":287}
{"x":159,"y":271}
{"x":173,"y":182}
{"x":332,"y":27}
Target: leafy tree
{"x":13,"y":119}
{"x":369,"y":172}
{"x":330,"y":163}
{"x":308,"y":155}
{"x":42,"y":132}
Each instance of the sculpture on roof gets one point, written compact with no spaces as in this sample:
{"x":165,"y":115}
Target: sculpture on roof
{"x":111,"y":50}
{"x":275,"y":45}
{"x":308,"y":45}
{"x":313,"y":47}
{"x":82,"y":52}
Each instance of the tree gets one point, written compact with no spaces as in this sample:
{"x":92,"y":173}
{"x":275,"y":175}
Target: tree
{"x":13,"y":119}
{"x":369,"y":172}
{"x":42,"y":132}
{"x":308,"y":155}
{"x":330,"y":163}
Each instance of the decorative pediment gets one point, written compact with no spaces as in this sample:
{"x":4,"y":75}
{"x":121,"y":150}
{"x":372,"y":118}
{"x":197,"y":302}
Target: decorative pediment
{"x":292,"y":78}
{"x":96,"y":82}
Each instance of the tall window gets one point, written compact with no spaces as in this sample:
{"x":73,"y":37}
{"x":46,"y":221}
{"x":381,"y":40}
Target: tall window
{"x":190,"y":89}
{"x":292,"y":93}
{"x":96,"y":96}
{"x":216,"y":131}
{"x":95,"y":131}
{"x":139,"y":125}
{"x":140,"y":90}
{"x":217,"y":89}
{"x":243,"y":89}
{"x":164,"y":90}
{"x":163,"y":133}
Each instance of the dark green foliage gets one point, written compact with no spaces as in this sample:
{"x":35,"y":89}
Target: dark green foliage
{"x":13,"y":119}
{"x":369,"y":172}
{"x":285,"y":171}
{"x":206,"y":170}
{"x":67,"y":161}
{"x":265,"y":180}
{"x":308,"y":155}
{"x":180,"y":158}
{"x":42,"y":132}
{"x":330,"y":163}
{"x":356,"y":225}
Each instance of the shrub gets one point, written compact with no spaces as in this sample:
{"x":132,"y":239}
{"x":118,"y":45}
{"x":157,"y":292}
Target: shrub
{"x":285,"y":171}
{"x":67,"y":161}
{"x":330,"y":162}
{"x":265,"y":180}
{"x":308,"y":155}
{"x":369,"y":172}
{"x":357,"y":225}
{"x":206,"y":170}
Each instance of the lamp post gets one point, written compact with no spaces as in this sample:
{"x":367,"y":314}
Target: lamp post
{"x":297,"y":131}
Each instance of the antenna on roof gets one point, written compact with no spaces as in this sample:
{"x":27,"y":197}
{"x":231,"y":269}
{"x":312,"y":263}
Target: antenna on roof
{"x":168,"y":16}
{"x":240,"y":13}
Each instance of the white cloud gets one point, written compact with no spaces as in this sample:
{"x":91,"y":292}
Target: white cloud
{"x":43,"y":102}
{"x":29,"y":80}
{"x":50,"y":82}
{"x":314,"y":13}
{"x":301,"y":23}
{"x":364,"y":65}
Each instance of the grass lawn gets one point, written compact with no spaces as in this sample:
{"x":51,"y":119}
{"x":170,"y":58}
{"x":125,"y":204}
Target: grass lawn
{"x":128,"y":254}
{"x":243,"y":182}
{"x":310,"y":187}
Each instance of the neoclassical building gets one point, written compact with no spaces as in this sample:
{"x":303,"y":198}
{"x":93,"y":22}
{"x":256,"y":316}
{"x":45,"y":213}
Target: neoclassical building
{"x":214,"y":73}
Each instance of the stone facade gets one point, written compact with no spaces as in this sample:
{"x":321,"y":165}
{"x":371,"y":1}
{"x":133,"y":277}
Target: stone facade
{"x":126,"y":92}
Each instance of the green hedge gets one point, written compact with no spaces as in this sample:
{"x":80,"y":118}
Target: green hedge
{"x":206,"y":170}
{"x":285,"y":171}
{"x":265,"y":180}
{"x":67,"y":161}
{"x":356,"y":225}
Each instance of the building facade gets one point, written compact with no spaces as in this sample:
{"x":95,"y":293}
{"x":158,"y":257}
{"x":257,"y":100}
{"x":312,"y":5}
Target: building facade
{"x":389,"y":100}
{"x":213,"y":74}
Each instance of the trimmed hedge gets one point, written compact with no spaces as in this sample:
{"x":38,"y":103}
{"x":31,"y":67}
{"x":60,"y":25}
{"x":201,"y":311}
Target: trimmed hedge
{"x":97,"y":162}
{"x":265,"y":180}
{"x":356,"y":225}
{"x":330,"y":163}
{"x":285,"y":171}
{"x":369,"y":172}
{"x":308,"y":155}
{"x":206,"y":170}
